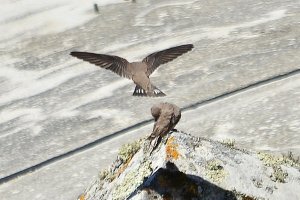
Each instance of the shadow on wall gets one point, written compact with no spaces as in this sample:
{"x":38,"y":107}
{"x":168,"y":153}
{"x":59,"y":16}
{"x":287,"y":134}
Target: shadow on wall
{"x":170,"y":183}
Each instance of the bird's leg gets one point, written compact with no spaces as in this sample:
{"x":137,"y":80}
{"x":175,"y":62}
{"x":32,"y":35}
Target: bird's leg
{"x":165,"y":139}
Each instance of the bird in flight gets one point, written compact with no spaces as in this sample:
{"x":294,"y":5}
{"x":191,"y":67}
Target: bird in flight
{"x":139,"y":72}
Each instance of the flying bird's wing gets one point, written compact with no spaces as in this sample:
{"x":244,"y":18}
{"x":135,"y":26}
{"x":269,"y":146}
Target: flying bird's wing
{"x":158,"y":58}
{"x":114,"y":63}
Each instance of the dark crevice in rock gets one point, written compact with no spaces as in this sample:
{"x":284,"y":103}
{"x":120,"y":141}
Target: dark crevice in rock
{"x":170,"y":183}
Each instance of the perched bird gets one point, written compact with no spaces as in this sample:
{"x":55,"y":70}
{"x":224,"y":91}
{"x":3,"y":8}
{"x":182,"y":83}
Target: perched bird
{"x":139,"y":72}
{"x":166,"y":116}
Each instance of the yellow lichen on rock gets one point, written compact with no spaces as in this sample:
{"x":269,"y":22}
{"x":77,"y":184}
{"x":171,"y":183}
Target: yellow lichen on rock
{"x":241,"y":196}
{"x":127,"y":151}
{"x":271,"y":160}
{"x":278,"y":174}
{"x":215,"y":171}
{"x":131,"y":181}
{"x":228,"y":142}
{"x":103,"y":174}
{"x":171,"y":149}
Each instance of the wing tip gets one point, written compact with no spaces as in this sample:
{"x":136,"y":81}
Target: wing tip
{"x":74,"y":53}
{"x":80,"y":54}
{"x":189,"y":46}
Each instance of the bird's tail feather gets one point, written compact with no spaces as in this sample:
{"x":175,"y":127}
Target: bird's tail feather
{"x":157,"y":92}
{"x":154,"y":142}
{"x":138,"y":91}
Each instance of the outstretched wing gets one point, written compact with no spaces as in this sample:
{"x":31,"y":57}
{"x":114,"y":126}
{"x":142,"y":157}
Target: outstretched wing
{"x":114,"y":63}
{"x":156,"y":59}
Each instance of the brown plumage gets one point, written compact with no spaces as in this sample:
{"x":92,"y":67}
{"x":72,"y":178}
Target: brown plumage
{"x":139,"y":72}
{"x":166,"y":116}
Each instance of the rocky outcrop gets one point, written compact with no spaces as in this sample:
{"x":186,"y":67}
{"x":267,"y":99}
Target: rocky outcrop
{"x":186,"y":167}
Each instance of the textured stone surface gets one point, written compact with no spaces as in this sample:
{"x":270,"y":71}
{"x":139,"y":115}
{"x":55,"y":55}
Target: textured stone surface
{"x":186,"y":167}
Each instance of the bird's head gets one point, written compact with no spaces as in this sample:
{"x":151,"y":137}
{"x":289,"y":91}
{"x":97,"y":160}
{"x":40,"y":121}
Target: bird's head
{"x":155,"y":111}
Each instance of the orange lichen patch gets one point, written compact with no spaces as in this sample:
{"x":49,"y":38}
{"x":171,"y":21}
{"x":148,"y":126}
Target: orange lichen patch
{"x":81,"y":197}
{"x":171,"y":149}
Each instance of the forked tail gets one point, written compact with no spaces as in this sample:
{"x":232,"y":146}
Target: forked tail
{"x":138,"y":91}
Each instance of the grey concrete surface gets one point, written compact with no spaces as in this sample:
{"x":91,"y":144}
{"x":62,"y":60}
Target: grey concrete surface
{"x":264,"y":118}
{"x":68,"y":178}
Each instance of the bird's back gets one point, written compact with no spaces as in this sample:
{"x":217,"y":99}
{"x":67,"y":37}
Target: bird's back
{"x":137,"y":68}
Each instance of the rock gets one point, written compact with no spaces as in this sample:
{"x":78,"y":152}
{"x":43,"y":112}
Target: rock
{"x":184,"y":167}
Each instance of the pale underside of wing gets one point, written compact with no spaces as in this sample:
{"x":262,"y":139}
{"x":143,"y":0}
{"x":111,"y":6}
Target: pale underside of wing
{"x":114,"y":63}
{"x":156,"y":59}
